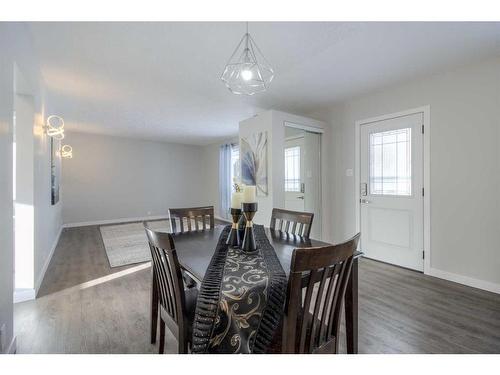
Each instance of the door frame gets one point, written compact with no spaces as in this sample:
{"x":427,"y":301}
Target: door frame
{"x":426,"y":111}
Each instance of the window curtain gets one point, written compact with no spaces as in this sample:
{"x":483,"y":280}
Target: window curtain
{"x":224,"y":180}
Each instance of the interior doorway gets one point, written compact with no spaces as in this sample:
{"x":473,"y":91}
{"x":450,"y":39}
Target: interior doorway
{"x":302,"y":185}
{"x":23,"y":190}
{"x":391,"y":188}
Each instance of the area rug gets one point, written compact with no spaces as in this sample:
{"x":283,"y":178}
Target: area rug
{"x":127,"y":243}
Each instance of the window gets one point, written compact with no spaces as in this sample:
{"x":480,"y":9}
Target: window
{"x":235,"y":165}
{"x":292,"y":169}
{"x":390,"y":162}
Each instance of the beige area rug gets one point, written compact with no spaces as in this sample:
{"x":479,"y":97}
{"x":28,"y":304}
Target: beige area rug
{"x":127,"y":243}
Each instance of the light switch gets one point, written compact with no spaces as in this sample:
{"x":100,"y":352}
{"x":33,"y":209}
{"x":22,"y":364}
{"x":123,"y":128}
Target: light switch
{"x":349,"y":172}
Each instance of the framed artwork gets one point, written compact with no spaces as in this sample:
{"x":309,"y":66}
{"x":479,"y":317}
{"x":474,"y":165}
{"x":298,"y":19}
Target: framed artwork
{"x":253,"y":156}
{"x":55,"y":170}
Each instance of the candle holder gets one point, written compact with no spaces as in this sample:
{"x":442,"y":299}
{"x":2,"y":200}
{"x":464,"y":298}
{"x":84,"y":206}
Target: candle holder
{"x":249,"y":210}
{"x":241,"y":227}
{"x":233,"y":239}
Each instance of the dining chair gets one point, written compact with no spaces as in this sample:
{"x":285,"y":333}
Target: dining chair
{"x":191,"y":218}
{"x":292,"y":222}
{"x":316,"y":289}
{"x":176,"y":304}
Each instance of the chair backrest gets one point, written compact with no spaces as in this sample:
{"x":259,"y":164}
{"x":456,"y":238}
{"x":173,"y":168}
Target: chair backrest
{"x":292,"y":222}
{"x":191,"y":219}
{"x":316,"y":289}
{"x":168,"y":279}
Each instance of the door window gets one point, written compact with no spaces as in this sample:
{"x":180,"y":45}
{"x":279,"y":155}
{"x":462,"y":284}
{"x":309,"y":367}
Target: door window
{"x":292,"y":169}
{"x":390,"y":162}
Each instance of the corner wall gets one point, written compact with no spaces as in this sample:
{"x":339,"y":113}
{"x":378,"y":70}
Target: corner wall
{"x":17,"y":48}
{"x":273,"y":122}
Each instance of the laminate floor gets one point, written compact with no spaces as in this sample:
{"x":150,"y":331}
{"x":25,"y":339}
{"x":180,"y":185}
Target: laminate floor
{"x":84,"y":306}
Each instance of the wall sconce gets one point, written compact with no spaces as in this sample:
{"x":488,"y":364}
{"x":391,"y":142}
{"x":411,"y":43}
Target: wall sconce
{"x":67,"y":152}
{"x":55,"y":127}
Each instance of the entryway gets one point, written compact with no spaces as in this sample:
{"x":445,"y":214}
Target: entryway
{"x":303,"y":172}
{"x":391,"y":188}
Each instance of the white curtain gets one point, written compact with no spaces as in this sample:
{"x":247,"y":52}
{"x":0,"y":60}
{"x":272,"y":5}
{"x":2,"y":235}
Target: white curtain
{"x":224,"y":180}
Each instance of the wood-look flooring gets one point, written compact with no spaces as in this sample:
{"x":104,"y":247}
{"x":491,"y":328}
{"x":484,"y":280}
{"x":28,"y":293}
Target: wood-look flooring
{"x":84,"y":306}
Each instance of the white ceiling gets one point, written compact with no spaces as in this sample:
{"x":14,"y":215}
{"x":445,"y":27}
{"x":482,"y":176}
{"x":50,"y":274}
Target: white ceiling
{"x":160,"y":81}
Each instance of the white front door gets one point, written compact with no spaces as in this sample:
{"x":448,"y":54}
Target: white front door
{"x":391,"y":191}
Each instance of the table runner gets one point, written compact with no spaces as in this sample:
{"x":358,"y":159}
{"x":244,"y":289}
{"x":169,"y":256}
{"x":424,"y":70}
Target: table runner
{"x":241,"y":299}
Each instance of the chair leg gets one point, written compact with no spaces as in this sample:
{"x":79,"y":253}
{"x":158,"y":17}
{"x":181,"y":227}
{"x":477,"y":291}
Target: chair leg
{"x":154,"y":325}
{"x":154,"y":308}
{"x":162,"y":336}
{"x":183,"y":346}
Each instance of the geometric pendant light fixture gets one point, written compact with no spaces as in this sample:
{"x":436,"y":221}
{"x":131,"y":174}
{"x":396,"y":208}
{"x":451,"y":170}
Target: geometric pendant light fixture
{"x":247,"y":71}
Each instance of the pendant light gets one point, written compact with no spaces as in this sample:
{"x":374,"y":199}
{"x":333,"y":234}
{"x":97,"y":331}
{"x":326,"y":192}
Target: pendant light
{"x":247,"y":71}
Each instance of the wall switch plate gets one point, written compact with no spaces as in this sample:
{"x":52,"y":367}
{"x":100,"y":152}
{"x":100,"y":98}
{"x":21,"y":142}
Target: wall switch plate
{"x":349,"y":172}
{"x":3,"y":338}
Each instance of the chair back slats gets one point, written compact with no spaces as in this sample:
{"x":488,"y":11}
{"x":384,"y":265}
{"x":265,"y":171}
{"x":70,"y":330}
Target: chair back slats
{"x":168,"y":275}
{"x":194,"y":218}
{"x":316,"y":289}
{"x":317,"y":308}
{"x":292,"y":222}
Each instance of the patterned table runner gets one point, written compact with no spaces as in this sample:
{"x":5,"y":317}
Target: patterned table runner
{"x":241,"y":299}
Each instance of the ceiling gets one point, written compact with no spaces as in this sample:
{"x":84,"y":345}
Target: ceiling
{"x":160,"y":81}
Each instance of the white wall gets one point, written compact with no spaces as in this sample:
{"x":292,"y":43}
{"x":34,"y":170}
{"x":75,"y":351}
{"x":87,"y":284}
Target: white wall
{"x":6,"y":207}
{"x":17,"y":48}
{"x":113,"y":178}
{"x":465,"y":166}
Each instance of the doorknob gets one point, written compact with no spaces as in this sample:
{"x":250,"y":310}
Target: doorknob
{"x":301,"y":197}
{"x":365,"y":201}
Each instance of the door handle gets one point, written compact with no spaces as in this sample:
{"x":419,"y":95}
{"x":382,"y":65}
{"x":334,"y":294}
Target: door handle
{"x":301,"y":197}
{"x":365,"y":201}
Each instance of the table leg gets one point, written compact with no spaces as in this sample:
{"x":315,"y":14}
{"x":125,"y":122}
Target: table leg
{"x":154,"y":306}
{"x":351,"y":310}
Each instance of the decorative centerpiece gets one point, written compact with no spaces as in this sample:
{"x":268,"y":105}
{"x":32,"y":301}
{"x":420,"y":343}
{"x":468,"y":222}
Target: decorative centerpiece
{"x":249,"y":208}
{"x":234,"y":238}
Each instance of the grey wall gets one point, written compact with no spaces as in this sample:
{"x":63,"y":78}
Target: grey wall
{"x":111,"y":178}
{"x":465,"y":165}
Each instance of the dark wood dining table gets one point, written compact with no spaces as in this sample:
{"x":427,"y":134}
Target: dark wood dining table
{"x":195,"y":251}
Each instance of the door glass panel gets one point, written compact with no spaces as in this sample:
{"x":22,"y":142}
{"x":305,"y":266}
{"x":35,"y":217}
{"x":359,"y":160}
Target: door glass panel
{"x":390,"y":162}
{"x":292,"y":169}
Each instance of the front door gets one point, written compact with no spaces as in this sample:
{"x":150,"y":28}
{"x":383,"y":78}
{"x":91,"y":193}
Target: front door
{"x":391,"y":191}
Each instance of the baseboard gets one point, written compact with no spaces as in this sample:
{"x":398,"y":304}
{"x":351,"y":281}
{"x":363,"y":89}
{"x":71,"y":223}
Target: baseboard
{"x":465,"y":280}
{"x":21,"y":295}
{"x":47,"y":261}
{"x":12,"y":349}
{"x":114,"y":221}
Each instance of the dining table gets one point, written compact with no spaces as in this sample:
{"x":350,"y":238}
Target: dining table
{"x":195,"y":250}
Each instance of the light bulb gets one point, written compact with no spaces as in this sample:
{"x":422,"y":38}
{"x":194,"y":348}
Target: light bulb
{"x":246,"y":74}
